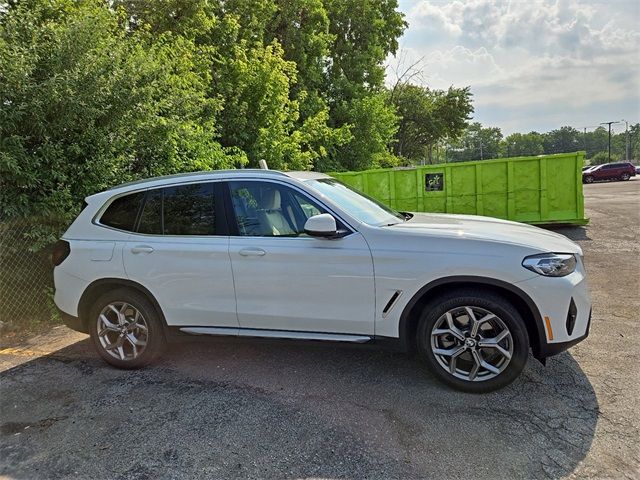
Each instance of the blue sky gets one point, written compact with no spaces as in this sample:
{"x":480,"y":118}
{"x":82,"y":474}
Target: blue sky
{"x":531,"y":65}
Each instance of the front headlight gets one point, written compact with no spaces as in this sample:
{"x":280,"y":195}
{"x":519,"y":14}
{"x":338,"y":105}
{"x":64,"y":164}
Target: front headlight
{"x":551,"y":264}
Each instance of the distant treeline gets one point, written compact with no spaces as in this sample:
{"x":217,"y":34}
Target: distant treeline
{"x":478,"y":142}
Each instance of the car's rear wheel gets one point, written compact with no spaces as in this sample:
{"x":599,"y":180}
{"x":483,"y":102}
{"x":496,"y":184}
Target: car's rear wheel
{"x":625,"y":176}
{"x":125,"y":329}
{"x":473,"y":340}
{"x":588,"y":179}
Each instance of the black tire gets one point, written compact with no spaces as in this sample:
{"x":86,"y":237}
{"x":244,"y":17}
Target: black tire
{"x":625,"y":177}
{"x":588,"y":179}
{"x":485,"y":300}
{"x":154,"y":335}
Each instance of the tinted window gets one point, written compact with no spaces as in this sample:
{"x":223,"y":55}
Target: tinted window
{"x":122,"y":212}
{"x":189,"y":210}
{"x":180,"y":210}
{"x":151,"y":218}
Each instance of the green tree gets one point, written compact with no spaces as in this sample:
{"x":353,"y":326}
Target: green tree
{"x":84,"y":105}
{"x":302,"y":29}
{"x":477,"y":143}
{"x":595,"y":141}
{"x":562,"y":140}
{"x":364,"y":33}
{"x":634,"y":142}
{"x":599,"y":158}
{"x":373,"y":125}
{"x":522,"y":145}
{"x":267,"y":71}
{"x":427,"y":117}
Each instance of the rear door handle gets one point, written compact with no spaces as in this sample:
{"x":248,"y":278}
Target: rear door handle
{"x":252,"y":252}
{"x":142,"y":249}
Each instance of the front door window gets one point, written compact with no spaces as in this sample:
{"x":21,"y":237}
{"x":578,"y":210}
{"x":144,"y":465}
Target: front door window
{"x":265,"y":209}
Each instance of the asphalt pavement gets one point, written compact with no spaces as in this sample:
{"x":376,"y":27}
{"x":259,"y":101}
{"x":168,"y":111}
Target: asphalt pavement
{"x":253,"y":409}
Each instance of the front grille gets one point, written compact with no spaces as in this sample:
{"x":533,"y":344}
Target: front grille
{"x":571,"y":317}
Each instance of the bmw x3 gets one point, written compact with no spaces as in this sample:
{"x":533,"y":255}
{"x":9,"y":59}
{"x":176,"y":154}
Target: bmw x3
{"x":301,"y":256}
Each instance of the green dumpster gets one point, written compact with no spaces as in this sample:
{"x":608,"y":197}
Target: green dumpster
{"x":544,"y":189}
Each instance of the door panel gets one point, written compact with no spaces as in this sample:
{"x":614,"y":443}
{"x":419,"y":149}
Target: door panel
{"x":181,"y":254}
{"x":287,"y":280}
{"x":304,"y":284}
{"x":190,"y":277}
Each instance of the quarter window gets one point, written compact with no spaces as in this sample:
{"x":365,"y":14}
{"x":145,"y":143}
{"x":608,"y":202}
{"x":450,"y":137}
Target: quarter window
{"x":122,"y":212}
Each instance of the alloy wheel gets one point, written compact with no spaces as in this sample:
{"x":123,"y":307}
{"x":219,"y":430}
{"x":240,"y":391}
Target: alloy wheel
{"x":122,"y":331}
{"x":472,"y":343}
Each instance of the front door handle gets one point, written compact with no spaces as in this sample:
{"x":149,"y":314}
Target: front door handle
{"x":252,"y":252}
{"x":142,"y":249}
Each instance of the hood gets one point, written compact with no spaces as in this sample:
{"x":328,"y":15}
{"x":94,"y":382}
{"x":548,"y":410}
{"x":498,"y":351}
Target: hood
{"x":487,"y":229}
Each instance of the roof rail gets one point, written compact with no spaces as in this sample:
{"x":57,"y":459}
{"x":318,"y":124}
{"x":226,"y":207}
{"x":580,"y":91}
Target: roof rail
{"x":200,"y":174}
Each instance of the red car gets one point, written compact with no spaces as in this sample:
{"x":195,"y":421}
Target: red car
{"x":609,"y":171}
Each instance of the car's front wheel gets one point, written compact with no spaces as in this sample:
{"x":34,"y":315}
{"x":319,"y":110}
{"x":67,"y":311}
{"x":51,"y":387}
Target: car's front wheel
{"x":473,"y":340}
{"x":588,"y":179}
{"x":125,"y":329}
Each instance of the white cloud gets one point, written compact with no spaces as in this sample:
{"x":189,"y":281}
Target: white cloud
{"x":524,"y":55}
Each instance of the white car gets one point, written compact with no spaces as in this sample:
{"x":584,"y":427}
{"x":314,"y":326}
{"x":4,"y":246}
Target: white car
{"x":299,"y":255}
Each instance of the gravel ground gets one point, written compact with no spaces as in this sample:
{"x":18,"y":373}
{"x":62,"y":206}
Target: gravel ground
{"x":240,"y":409}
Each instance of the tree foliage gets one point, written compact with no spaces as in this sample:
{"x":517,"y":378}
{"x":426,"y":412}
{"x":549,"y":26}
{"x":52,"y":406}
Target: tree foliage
{"x":563,"y":140}
{"x":96,"y":93}
{"x":522,"y":145}
{"x":427,"y":117}
{"x":84,"y":104}
{"x":477,"y":143}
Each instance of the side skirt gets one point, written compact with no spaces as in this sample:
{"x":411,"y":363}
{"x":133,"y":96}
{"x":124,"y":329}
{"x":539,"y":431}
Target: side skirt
{"x":259,"y":333}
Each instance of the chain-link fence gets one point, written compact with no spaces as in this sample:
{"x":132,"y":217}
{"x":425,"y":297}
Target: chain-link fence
{"x":26,"y":280}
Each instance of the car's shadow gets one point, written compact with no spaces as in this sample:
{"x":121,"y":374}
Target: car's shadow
{"x":575,"y":233}
{"x":251,"y":409}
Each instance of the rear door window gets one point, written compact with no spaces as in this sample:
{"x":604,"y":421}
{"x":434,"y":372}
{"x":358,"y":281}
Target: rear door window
{"x":179,"y":210}
{"x":189,"y":210}
{"x":151,"y":217}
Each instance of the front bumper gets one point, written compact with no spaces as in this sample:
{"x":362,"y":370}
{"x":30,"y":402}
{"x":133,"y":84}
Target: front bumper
{"x":564,"y":305}
{"x":550,"y":349}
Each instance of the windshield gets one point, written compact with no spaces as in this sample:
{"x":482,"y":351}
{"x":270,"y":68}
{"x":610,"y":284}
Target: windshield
{"x":356,"y":204}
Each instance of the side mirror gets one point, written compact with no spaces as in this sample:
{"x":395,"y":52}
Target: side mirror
{"x":323,"y":225}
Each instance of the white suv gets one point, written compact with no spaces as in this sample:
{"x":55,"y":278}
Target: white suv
{"x":259,"y":253}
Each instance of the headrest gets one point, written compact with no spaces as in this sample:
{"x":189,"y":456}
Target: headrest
{"x":270,"y":199}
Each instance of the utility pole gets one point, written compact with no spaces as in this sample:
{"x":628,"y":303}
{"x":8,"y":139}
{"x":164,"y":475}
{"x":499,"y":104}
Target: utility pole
{"x":609,"y":123}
